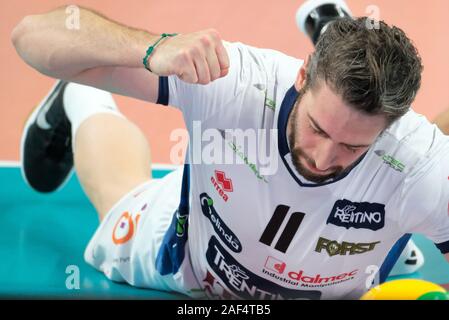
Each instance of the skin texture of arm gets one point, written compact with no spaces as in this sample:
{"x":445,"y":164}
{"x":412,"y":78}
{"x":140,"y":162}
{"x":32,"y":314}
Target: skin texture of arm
{"x":108,"y":55}
{"x":101,"y":53}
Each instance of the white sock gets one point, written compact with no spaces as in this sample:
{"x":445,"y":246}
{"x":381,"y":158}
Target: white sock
{"x":81,"y":102}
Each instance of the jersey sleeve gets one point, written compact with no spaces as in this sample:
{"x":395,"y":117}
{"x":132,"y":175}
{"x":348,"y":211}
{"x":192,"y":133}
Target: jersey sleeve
{"x":222,"y":98}
{"x":198,"y":102}
{"x":424,"y":201}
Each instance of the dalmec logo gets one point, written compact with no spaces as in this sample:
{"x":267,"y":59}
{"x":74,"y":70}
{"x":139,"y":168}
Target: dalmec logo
{"x":277,"y":269}
{"x":124,"y":228}
{"x":274,"y":264}
{"x":222,"y":184}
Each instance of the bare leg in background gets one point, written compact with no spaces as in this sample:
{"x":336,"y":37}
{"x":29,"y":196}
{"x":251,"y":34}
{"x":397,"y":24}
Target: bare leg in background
{"x":111,"y":156}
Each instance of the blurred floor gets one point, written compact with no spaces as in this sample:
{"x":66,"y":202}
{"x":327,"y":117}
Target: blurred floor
{"x":43,"y":238}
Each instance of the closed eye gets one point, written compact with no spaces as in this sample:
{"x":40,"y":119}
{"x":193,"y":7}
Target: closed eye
{"x":317,"y":131}
{"x":352,"y":149}
{"x":324,"y":135}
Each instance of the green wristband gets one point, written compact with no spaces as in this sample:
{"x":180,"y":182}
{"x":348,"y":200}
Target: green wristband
{"x":151,"y":49}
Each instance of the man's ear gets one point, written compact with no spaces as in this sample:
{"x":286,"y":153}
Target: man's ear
{"x":301,"y":77}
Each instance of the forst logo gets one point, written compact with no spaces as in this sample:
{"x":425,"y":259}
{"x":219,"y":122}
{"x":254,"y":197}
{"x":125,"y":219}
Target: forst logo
{"x":334,"y":248}
{"x":358,"y":215}
{"x":222,"y":184}
{"x":221,"y":229}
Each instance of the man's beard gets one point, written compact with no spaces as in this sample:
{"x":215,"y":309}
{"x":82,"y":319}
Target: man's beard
{"x":297,"y":153}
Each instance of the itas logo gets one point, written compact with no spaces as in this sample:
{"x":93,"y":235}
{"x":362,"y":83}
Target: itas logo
{"x":334,"y":248}
{"x":229,"y":278}
{"x":221,"y":229}
{"x":124,"y":228}
{"x":222,"y":184}
{"x":278,"y":270}
{"x":358,"y":215}
{"x":275,"y":265}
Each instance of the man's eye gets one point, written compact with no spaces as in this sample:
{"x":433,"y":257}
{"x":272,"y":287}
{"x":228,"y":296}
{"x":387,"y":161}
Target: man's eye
{"x":317,"y":131}
{"x":352,"y":149}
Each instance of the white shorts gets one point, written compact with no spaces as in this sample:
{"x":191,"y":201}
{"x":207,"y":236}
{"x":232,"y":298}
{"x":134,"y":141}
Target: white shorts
{"x":126,"y":244}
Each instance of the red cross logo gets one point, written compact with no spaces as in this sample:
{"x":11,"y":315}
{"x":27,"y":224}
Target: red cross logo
{"x":225,"y":183}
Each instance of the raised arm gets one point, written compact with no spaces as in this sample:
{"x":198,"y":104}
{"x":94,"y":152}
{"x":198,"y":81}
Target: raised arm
{"x":108,"y":55}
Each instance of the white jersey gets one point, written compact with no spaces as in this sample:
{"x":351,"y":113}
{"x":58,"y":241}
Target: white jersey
{"x":262,"y":233}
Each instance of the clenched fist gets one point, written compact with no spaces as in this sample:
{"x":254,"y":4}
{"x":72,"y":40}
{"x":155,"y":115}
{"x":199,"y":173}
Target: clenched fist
{"x":198,"y":57}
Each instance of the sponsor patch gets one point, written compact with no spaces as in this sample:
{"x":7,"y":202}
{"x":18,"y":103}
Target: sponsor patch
{"x":358,"y":215}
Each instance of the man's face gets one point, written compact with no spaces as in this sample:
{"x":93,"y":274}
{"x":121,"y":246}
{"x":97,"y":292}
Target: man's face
{"x":327,"y":136}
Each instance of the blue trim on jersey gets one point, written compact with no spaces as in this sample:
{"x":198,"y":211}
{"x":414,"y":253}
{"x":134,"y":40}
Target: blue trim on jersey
{"x":184,"y":205}
{"x":443,"y":247}
{"x":172,"y":250}
{"x":393,"y":257}
{"x":163,"y":92}
{"x":286,"y":108}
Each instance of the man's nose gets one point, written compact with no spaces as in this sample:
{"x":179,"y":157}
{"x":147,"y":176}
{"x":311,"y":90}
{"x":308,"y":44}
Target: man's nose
{"x":325,"y":155}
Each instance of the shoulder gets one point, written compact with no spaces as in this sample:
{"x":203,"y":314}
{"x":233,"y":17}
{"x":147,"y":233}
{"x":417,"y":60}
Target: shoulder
{"x":410,"y":161}
{"x":415,"y":142}
{"x":426,"y":183}
{"x":416,"y":132}
{"x":270,"y":62}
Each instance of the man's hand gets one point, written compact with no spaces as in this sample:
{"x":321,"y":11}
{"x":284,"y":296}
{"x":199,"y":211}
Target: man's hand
{"x":198,"y":57}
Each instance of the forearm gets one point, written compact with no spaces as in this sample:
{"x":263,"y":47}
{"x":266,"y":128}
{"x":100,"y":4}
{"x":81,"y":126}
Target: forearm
{"x":46,"y":44}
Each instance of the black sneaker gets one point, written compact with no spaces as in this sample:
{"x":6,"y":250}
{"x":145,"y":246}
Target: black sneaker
{"x":313,"y":16}
{"x":46,"y":147}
